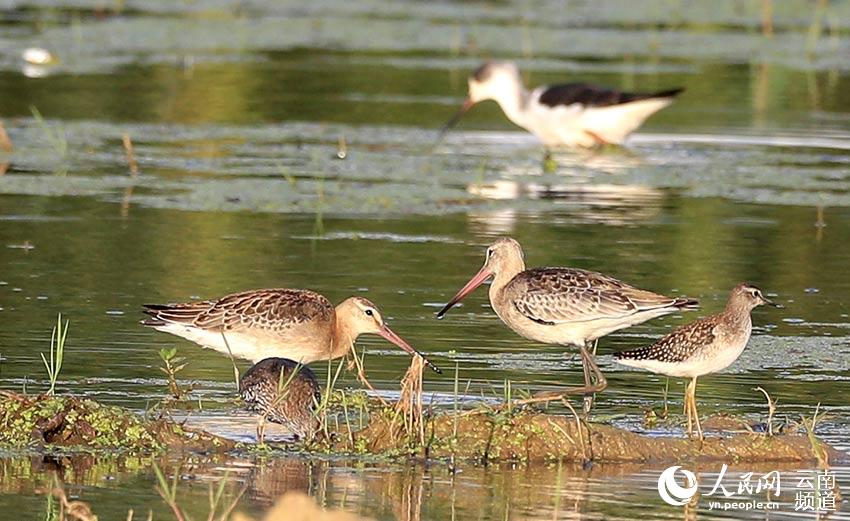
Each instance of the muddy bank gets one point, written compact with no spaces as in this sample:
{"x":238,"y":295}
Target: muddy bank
{"x":538,"y":437}
{"x":69,"y":422}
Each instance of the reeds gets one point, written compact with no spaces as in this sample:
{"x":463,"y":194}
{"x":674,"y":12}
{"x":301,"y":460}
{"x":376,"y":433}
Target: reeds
{"x":409,"y":406}
{"x":57,"y":353}
{"x":55,"y":136}
{"x":130,"y":154}
{"x":323,"y":406}
{"x":133,"y":166}
{"x":5,"y":142}
{"x":771,"y":410}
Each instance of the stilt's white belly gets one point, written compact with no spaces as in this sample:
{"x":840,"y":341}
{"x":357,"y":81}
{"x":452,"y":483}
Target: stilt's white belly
{"x":583,"y":126}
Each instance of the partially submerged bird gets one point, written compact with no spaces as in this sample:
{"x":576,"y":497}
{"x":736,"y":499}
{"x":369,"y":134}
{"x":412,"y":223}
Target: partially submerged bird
{"x":572,"y":114}
{"x":283,"y":392}
{"x":702,"y":347}
{"x":296,"y":324}
{"x":564,"y":306}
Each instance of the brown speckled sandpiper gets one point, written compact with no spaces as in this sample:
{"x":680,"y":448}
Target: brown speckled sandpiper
{"x":564,"y":306}
{"x":296,"y":324}
{"x":283,"y":391}
{"x":701,"y":347}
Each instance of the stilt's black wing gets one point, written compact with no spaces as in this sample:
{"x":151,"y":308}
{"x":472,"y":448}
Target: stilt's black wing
{"x":596,"y":96}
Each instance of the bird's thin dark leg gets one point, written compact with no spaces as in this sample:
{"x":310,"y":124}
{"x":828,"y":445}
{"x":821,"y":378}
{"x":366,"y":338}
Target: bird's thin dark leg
{"x":588,"y":398}
{"x":595,"y":383}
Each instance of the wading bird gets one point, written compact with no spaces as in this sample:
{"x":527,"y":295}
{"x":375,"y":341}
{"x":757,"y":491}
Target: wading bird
{"x":296,"y":324}
{"x":572,"y":114}
{"x":283,"y":392}
{"x":701,"y":347}
{"x":564,"y":306}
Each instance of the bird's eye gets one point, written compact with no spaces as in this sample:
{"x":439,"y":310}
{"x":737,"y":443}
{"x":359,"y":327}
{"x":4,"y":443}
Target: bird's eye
{"x":369,"y":313}
{"x":489,"y":252}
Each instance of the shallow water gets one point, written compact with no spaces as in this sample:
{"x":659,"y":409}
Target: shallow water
{"x":236,"y":113}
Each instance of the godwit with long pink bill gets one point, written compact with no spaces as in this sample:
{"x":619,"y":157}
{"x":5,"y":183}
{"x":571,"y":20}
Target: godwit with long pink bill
{"x":296,"y":324}
{"x":564,"y":306}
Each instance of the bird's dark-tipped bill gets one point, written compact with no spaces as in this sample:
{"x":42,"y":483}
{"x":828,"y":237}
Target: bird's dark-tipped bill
{"x":770,"y":302}
{"x":467,"y":104}
{"x":479,"y":278}
{"x":391,"y":336}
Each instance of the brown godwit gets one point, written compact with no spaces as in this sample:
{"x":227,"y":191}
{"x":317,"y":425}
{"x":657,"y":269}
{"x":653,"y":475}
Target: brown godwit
{"x":296,"y":324}
{"x":572,"y":114}
{"x":284,"y":392}
{"x":701,"y":347}
{"x":565,"y":306}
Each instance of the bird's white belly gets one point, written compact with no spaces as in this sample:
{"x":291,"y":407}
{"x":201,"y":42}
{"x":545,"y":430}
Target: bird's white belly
{"x":556,"y":126}
{"x":578,"y":125}
{"x":244,"y":346}
{"x":700,"y":364}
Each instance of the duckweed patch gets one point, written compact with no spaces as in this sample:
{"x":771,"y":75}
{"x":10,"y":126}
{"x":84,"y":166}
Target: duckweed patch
{"x":43,"y":422}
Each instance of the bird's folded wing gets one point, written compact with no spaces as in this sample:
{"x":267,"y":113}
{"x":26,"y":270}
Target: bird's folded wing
{"x":262,"y":308}
{"x":559,"y":295}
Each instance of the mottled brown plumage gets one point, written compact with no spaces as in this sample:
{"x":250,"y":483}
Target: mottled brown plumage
{"x":283,"y":391}
{"x":552,"y":296}
{"x":265,"y":309}
{"x":678,"y":346}
{"x":705,"y":346}
{"x":565,"y":306}
{"x":296,"y":324}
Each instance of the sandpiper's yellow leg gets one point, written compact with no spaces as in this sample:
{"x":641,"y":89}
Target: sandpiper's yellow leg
{"x":688,"y":408}
{"x":694,"y":407}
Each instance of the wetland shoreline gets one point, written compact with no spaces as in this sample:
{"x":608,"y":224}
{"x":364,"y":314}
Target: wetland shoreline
{"x":68,"y":424}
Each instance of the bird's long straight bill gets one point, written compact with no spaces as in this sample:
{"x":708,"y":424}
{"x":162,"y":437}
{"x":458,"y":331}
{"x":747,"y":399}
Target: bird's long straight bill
{"x":391,"y":336}
{"x":467,"y":104}
{"x":479,"y":278}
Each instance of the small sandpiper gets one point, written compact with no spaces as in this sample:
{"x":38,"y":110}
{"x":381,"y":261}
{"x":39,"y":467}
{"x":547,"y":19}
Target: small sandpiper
{"x":284,"y":392}
{"x":571,"y":114}
{"x":702,"y":347}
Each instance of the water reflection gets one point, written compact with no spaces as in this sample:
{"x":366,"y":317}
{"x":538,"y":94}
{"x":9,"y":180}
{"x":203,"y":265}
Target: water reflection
{"x":410,"y":492}
{"x":591,"y":203}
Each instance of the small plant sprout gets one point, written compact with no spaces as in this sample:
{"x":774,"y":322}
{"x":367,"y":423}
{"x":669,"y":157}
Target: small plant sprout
{"x":56,"y":136}
{"x":173,"y":364}
{"x":57,"y":353}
